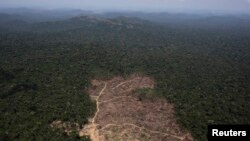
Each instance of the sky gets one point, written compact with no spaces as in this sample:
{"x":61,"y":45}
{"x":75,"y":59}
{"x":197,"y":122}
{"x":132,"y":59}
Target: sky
{"x":227,"y":6}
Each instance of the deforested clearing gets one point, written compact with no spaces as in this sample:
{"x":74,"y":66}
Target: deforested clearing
{"x":122,"y":115}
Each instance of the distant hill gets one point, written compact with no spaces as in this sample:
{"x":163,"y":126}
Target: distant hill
{"x":34,"y":15}
{"x":188,"y":19}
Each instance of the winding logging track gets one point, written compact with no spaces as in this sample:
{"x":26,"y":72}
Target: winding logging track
{"x":98,"y":103}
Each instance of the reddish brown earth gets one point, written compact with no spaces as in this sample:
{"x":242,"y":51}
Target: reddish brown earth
{"x":122,"y":116}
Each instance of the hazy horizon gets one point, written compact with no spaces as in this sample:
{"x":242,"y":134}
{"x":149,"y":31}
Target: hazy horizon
{"x":209,"y":6}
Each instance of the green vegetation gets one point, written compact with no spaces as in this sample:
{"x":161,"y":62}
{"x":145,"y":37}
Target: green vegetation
{"x":45,"y":70}
{"x":147,"y":94}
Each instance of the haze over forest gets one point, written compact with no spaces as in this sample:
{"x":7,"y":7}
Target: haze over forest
{"x":193,"y":6}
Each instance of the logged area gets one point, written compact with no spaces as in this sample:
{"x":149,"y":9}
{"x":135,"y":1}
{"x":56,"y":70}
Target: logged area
{"x":126,"y":109}
{"x":123,"y":115}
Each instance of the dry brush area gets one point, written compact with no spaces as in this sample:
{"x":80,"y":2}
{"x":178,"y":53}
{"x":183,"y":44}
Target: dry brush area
{"x":122,"y":115}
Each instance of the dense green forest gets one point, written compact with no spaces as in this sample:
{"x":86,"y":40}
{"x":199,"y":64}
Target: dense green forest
{"x":203,"y":68}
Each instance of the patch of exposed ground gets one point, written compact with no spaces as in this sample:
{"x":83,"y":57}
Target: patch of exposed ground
{"x":68,"y":127}
{"x":123,"y":116}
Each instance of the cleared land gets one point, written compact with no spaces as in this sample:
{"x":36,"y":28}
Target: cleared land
{"x":122,"y":115}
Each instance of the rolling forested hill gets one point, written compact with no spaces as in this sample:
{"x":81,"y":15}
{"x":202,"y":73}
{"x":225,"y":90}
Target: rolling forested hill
{"x":202,"y":67}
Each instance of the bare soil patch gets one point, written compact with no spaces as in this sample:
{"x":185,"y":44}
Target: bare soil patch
{"x":122,"y":116}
